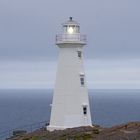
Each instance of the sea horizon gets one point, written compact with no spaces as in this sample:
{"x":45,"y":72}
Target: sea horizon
{"x":20,"y":107}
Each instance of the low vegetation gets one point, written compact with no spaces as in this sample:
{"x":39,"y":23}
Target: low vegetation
{"x":129,"y":131}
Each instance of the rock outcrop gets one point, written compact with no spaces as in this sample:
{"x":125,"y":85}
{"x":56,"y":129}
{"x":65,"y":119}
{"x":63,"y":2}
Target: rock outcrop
{"x":129,"y":131}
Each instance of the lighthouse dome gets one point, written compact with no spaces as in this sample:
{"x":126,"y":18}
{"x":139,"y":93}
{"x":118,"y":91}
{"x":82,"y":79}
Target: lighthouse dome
{"x":71,"y":22}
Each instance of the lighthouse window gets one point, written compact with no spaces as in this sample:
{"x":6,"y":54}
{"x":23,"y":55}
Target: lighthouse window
{"x":79,"y":54}
{"x":84,"y":110}
{"x":82,"y":81}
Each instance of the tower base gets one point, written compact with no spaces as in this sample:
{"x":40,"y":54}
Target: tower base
{"x":52,"y":128}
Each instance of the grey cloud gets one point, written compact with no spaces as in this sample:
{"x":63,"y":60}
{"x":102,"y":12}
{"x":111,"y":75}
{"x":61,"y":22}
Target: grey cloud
{"x":28,"y":28}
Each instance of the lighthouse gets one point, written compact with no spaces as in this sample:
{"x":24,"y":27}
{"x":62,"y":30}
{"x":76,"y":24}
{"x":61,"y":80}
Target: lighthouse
{"x":70,"y":106}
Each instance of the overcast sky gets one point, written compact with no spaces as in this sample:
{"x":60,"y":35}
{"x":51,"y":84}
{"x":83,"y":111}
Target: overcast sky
{"x":28,"y":56}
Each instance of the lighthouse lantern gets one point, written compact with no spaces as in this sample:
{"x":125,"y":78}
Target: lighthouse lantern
{"x":71,"y":27}
{"x":70,"y":33}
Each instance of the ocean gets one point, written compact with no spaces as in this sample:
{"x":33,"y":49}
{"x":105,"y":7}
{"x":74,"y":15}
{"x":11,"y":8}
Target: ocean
{"x":108,"y":107}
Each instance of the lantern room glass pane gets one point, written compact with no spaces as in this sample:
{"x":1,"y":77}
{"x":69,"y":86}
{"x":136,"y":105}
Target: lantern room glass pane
{"x":65,"y":28}
{"x":77,"y":29}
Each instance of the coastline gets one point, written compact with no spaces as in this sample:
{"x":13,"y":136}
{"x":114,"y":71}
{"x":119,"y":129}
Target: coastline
{"x":130,"y":131}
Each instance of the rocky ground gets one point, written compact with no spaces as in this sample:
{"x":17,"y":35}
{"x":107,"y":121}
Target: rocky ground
{"x":129,"y":131}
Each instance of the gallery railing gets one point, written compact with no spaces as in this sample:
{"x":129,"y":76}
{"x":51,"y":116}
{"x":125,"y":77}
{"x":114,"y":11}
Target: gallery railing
{"x":70,"y":38}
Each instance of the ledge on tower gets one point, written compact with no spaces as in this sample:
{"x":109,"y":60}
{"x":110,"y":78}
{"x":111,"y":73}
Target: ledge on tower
{"x":70,"y":38}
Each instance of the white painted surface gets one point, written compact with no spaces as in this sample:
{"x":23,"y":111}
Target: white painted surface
{"x":69,"y":96}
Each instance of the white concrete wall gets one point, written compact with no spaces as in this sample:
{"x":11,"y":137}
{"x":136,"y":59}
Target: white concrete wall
{"x":69,"y":95}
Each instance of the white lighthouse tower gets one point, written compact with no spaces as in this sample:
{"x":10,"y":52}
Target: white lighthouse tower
{"x":70,"y":107}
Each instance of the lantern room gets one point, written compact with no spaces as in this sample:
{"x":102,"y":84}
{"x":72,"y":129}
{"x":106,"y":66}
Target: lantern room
{"x":70,"y":33}
{"x":71,"y":27}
